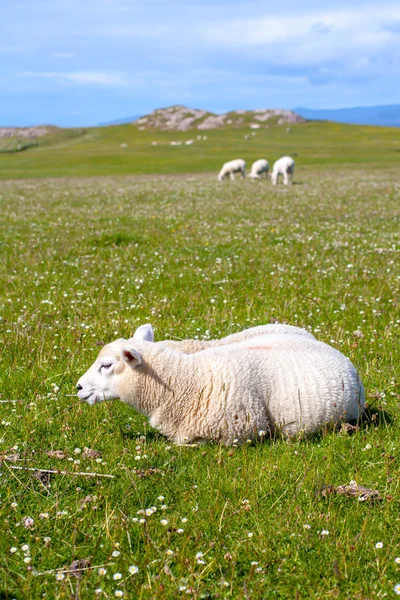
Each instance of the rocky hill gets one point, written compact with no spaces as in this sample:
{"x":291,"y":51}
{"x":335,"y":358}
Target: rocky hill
{"x":181,"y":118}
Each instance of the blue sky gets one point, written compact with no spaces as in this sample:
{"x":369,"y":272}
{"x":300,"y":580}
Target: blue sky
{"x":81,"y":62}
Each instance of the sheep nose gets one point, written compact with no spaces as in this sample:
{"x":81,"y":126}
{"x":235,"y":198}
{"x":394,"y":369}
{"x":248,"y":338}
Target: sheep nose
{"x":79,"y":387}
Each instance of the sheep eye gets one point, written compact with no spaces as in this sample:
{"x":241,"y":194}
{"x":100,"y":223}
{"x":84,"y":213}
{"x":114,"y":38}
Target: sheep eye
{"x":105,"y":366}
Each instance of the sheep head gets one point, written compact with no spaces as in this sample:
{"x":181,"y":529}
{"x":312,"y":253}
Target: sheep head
{"x":102,"y":380}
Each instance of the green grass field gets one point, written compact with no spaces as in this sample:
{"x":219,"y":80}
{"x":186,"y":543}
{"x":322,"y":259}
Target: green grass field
{"x":86,"y":260}
{"x":98,"y":151}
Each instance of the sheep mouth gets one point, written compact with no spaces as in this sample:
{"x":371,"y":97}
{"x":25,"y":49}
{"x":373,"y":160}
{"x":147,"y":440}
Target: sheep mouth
{"x":90,"y":398}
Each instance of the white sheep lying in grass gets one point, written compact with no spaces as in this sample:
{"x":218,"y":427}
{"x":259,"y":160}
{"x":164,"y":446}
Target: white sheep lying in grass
{"x":233,"y":166}
{"x":275,"y":382}
{"x":259,"y":168}
{"x":285,"y":167}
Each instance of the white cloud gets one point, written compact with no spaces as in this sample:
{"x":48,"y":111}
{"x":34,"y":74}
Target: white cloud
{"x":100,"y":78}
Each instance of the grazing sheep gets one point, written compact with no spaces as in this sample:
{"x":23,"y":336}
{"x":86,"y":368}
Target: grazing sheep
{"x":233,"y":166}
{"x":275,"y":382}
{"x":258,"y":168}
{"x":285,"y":167}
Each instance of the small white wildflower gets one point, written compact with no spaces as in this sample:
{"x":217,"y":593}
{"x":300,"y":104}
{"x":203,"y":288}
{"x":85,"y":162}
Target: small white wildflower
{"x":27,"y":559}
{"x":261,"y":433}
{"x":118,"y":593}
{"x":254,"y":563}
{"x":13,"y":550}
{"x":250,"y":534}
{"x":164,"y":507}
{"x":183,"y":520}
{"x":14,"y":505}
{"x":102,"y":571}
{"x":258,"y":570}
{"x":115,"y":553}
{"x":160,"y":498}
{"x":60,"y":576}
{"x":397,"y":560}
{"x":25,"y":548}
{"x":98,"y":591}
{"x":179,"y":530}
{"x":169,"y":552}
{"x":306,"y":526}
{"x":133,"y":569}
{"x":47,"y":539}
{"x":44,"y":515}
{"x":117,"y":576}
{"x":324,"y":532}
{"x":182,"y":588}
{"x":77,"y":451}
{"x":379,"y":545}
{"x":164,"y":522}
{"x":396,"y":589}
{"x":142,"y":521}
{"x":28,"y":522}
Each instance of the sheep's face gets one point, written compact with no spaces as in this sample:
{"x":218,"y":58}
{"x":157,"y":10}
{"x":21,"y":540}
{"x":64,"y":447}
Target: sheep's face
{"x":100,"y":382}
{"x":103,"y":378}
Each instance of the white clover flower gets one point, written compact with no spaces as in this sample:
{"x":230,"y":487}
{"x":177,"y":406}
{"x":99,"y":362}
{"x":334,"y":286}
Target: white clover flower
{"x":60,"y":576}
{"x":133,"y":569}
{"x":102,"y":571}
{"x":115,"y":553}
{"x":28,"y":522}
{"x":379,"y":545}
{"x":117,"y":576}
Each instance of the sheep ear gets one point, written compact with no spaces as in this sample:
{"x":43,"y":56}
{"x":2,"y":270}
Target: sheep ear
{"x":144,"y":332}
{"x":132,"y":357}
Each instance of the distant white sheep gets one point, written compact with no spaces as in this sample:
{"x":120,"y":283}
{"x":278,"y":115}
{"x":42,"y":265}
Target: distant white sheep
{"x":259,"y":168}
{"x":285,"y":167}
{"x":274,"y":382}
{"x":233,"y":166}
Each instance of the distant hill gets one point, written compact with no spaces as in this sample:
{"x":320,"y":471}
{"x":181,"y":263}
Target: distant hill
{"x":388,"y":116}
{"x":182,"y":118}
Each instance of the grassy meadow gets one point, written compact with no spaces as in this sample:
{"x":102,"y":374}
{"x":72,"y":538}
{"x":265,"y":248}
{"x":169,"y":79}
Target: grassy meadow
{"x":126,"y":150}
{"x":86,"y":260}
